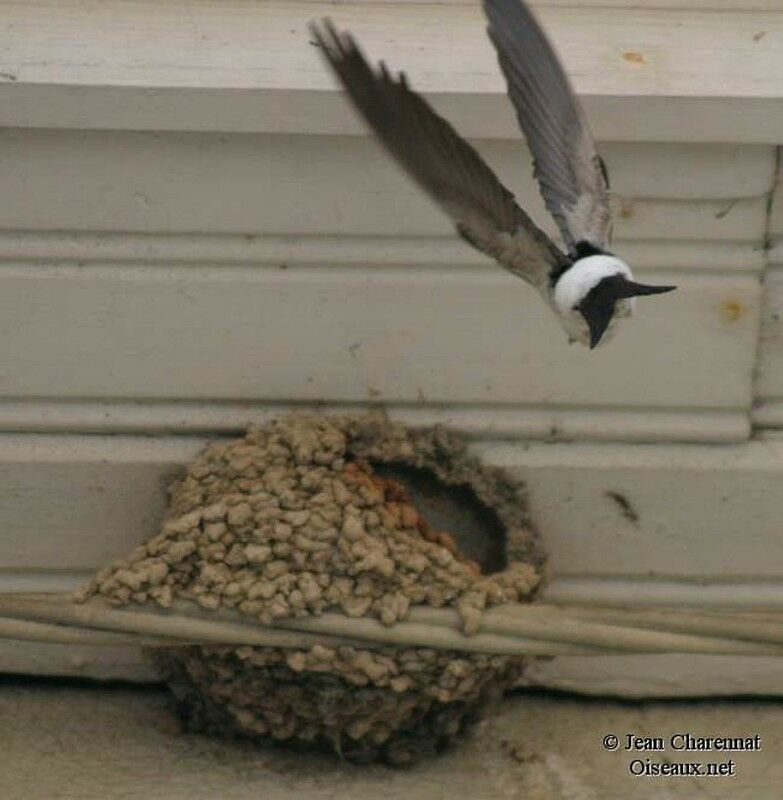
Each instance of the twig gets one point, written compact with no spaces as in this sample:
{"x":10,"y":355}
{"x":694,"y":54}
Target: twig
{"x":512,"y":629}
{"x":748,"y":625}
{"x":186,"y":623}
{"x":27,"y":630}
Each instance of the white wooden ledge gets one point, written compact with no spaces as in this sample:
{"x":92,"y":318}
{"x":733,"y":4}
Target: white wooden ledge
{"x":650,"y":73}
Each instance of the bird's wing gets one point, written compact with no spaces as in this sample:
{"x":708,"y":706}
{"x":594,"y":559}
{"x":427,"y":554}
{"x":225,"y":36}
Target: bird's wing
{"x":573,"y":178}
{"x":441,"y":162}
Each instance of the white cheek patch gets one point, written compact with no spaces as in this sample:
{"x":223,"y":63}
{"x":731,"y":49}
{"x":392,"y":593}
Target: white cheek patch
{"x":586,"y":274}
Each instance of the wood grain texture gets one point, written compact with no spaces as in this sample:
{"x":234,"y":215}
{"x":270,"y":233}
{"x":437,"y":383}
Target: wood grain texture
{"x":114,"y":74}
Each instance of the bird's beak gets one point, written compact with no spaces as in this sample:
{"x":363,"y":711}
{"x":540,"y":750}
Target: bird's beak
{"x":597,"y":310}
{"x":598,"y":306}
{"x":597,"y":323}
{"x":632,"y":289}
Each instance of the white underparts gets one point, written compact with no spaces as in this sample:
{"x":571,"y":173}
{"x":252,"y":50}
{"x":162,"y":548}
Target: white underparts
{"x":574,"y":284}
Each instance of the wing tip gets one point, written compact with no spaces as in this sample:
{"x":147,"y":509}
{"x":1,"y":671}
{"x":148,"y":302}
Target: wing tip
{"x":337,"y":45}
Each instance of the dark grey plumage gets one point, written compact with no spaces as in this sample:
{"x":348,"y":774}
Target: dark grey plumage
{"x":442,"y":162}
{"x":571,"y":174}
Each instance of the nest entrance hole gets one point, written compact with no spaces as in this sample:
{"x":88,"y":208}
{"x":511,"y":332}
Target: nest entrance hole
{"x":475,"y":527}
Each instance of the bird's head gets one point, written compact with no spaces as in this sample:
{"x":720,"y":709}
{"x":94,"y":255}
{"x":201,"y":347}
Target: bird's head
{"x":594,"y":292}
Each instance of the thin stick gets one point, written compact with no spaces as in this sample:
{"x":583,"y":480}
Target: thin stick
{"x":746,"y":625}
{"x":530,"y":629}
{"x":26,"y":630}
{"x":435,"y":635}
{"x":188,"y":624}
{"x":175,"y":628}
{"x":553,"y":624}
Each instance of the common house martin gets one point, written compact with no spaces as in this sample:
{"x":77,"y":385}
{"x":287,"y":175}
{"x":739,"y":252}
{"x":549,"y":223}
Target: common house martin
{"x":588,"y":287}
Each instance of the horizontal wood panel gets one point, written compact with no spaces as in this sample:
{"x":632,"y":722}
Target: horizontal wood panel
{"x":409,"y":253}
{"x":656,"y":676}
{"x":98,"y":663}
{"x":682,"y":171}
{"x":119,"y":42}
{"x":700,"y":511}
{"x":126,"y":181}
{"x":114,"y":72}
{"x":74,"y":502}
{"x":513,"y":422}
{"x":613,"y":118}
{"x":345,"y":334}
{"x":703,"y":512}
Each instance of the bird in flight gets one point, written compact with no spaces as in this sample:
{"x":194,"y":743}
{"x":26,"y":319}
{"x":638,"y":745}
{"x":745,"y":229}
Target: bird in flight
{"x":587,"y":286}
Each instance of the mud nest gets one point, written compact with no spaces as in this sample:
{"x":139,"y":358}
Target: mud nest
{"x":311,"y":514}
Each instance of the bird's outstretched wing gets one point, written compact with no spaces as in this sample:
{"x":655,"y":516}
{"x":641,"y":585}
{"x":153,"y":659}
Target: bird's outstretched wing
{"x":441,"y":162}
{"x":573,"y":178}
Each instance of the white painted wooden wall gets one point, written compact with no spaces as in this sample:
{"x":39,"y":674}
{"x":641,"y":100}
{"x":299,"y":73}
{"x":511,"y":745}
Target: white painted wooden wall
{"x":196,"y":232}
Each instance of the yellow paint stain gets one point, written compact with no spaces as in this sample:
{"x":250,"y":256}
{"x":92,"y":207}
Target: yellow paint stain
{"x":632,"y":57}
{"x":732,"y":310}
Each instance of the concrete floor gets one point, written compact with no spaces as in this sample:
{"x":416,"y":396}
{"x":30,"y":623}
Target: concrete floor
{"x":93,"y":742}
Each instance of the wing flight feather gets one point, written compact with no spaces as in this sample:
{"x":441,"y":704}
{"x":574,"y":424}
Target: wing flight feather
{"x":570,"y":172}
{"x":441,"y":162}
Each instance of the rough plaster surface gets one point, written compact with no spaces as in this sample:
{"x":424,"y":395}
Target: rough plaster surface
{"x":104,"y":743}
